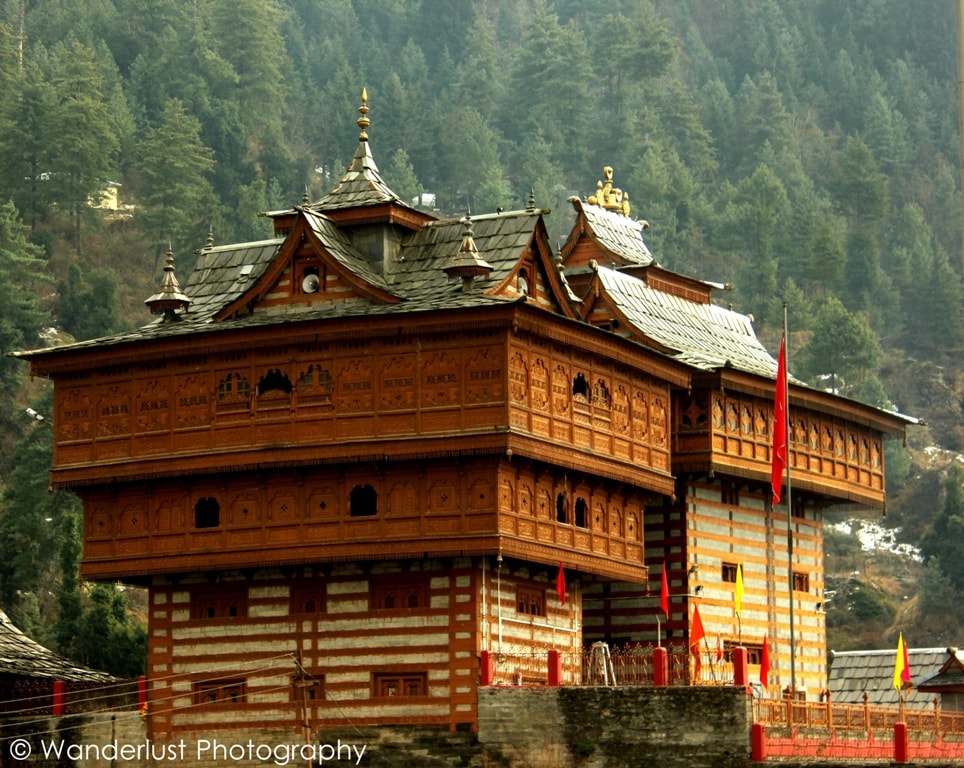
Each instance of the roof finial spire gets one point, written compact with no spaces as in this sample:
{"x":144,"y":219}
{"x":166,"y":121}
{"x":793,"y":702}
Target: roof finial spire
{"x":169,"y":296}
{"x":468,"y":263}
{"x":363,"y":121}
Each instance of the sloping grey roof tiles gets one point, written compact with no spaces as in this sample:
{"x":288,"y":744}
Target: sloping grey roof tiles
{"x":22,"y":657}
{"x":704,"y":336}
{"x":360,"y":186}
{"x":854,"y":672}
{"x":619,"y":234}
{"x":499,"y":238}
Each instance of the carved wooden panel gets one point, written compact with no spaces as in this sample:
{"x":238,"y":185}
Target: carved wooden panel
{"x":821,"y":446}
{"x":484,"y":375}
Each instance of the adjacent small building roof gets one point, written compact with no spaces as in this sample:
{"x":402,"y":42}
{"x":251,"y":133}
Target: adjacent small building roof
{"x":950,"y":677}
{"x":22,"y":657}
{"x":853,"y":673}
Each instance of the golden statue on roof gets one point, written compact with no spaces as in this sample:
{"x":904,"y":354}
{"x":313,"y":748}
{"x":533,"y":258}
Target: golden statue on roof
{"x":608,"y":197}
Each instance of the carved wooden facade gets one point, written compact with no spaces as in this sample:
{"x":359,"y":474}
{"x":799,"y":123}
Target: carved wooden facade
{"x":348,"y":459}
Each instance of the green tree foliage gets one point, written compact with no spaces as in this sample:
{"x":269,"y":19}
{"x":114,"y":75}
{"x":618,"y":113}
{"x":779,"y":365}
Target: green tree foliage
{"x":83,"y":135}
{"x":943,"y":543}
{"x":87,"y":305}
{"x":177,"y":203}
{"x":842,"y":352}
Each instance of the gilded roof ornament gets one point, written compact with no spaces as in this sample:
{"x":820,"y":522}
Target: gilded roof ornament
{"x":363,"y":121}
{"x":609,"y":197}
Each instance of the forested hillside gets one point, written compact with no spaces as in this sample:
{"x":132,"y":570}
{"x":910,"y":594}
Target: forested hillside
{"x":802,"y":152}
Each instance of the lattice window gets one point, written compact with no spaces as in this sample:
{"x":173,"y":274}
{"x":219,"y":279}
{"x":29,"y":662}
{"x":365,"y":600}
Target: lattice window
{"x":531,"y":601}
{"x":728,"y":573}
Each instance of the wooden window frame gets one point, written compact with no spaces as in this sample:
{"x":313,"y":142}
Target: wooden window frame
{"x":219,"y":601}
{"x":219,"y":692}
{"x":303,"y":594}
{"x":399,"y":592}
{"x":399,"y":685}
{"x":308,"y":688}
{"x":728,"y":572}
{"x":530,"y":601}
{"x":801,"y":581}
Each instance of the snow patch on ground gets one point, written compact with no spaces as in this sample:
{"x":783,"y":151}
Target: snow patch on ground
{"x":876,"y":538}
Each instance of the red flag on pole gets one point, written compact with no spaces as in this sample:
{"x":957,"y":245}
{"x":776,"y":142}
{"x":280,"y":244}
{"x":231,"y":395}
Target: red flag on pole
{"x":561,"y":584}
{"x":779,"y":452}
{"x":664,"y":594}
{"x":765,"y":664}
{"x":696,"y":635}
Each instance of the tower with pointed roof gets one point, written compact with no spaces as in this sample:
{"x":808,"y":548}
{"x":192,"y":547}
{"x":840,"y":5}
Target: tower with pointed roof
{"x":382,"y":458}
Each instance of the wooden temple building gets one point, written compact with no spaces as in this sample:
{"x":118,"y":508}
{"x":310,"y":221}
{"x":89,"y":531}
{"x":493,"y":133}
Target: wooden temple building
{"x":347,"y":460}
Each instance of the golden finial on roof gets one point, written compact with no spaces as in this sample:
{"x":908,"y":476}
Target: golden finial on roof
{"x":363,"y":121}
{"x":608,"y":197}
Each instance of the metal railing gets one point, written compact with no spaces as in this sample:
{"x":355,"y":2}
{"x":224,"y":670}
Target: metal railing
{"x":855,"y":717}
{"x":629,"y":664}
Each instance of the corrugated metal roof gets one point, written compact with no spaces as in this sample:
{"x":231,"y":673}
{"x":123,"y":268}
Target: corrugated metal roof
{"x":704,"y":336}
{"x":852,"y":673}
{"x":22,"y":657}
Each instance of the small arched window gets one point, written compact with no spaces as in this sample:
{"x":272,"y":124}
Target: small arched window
{"x":207,"y":513}
{"x":363,"y":501}
{"x":581,"y":513}
{"x":580,"y":388}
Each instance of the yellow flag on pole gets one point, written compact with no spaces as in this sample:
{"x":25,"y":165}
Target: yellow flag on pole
{"x":739,"y":588}
{"x":901,"y":664}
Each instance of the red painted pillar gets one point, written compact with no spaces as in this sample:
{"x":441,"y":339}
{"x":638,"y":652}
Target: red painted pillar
{"x":660,"y":667}
{"x":901,"y":742}
{"x":555,"y":668}
{"x":485,"y":671}
{"x":741,"y":673}
{"x":142,"y":694}
{"x":60,"y":699}
{"x":758,"y":743}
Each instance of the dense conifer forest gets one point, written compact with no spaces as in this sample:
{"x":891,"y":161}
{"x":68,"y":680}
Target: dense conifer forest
{"x":802,"y":152}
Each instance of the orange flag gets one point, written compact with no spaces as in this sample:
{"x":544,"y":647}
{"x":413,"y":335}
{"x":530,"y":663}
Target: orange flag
{"x":779,"y":453}
{"x":696,"y":635}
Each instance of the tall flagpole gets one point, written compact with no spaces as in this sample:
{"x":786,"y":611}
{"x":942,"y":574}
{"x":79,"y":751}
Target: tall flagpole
{"x":786,"y":432}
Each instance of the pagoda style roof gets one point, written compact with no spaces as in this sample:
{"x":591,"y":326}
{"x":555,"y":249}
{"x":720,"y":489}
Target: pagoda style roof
{"x":616,"y":234}
{"x":854,"y":673}
{"x":22,"y":657}
{"x":700,"y":335}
